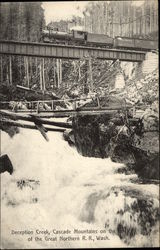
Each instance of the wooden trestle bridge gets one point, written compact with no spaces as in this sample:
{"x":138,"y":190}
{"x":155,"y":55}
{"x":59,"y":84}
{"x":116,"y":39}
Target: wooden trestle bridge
{"x":59,"y":51}
{"x":68,"y":51}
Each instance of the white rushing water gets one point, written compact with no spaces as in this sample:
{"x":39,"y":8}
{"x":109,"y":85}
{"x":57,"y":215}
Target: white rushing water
{"x":66,"y":191}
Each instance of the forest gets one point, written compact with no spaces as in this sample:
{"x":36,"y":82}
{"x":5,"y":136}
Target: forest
{"x":24,"y":21}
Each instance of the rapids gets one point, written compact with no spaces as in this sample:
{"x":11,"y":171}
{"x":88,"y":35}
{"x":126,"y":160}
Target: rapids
{"x":53,"y":187}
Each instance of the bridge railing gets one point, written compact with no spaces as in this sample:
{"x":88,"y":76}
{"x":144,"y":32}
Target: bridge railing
{"x":47,"y":105}
{"x":57,"y":107}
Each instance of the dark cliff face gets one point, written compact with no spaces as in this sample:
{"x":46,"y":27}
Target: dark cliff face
{"x":91,"y":138}
{"x":100,"y":136}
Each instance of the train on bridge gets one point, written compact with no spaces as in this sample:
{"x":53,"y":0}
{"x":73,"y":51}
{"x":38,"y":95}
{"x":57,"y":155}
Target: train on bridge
{"x":77,"y":37}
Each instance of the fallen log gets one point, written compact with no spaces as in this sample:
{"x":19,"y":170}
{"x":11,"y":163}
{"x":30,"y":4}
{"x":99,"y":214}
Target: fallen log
{"x":50,"y":94}
{"x":42,"y":130}
{"x":17,"y":124}
{"x":67,"y":113}
{"x":53,"y":123}
{"x":30,"y":118}
{"x":40,"y":127}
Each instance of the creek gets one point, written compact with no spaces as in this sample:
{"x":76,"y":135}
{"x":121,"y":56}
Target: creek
{"x":55,"y":189}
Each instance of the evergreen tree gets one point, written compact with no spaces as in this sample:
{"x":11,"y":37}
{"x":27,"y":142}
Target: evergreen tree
{"x":21,"y":21}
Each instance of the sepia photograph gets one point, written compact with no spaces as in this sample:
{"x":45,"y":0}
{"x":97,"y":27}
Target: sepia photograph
{"x":79,"y":124}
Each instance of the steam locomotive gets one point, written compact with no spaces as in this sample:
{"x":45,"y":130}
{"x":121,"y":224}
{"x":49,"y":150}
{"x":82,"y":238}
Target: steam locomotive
{"x":83,"y":38}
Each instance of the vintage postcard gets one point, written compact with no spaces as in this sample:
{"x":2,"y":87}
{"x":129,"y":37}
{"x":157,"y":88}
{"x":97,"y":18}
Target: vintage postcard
{"x":79,"y":124}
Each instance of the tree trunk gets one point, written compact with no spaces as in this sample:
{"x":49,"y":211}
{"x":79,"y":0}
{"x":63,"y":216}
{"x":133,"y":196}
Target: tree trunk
{"x":55,"y":82}
{"x":90,"y":74}
{"x":31,"y":69}
{"x":20,"y":69}
{"x":150,"y":15}
{"x":36,"y":66}
{"x":7,"y":72}
{"x":79,"y":71}
{"x":60,"y":72}
{"x":25,"y":69}
{"x":43,"y":75}
{"x":10,"y":70}
{"x":27,"y":72}
{"x":1,"y":69}
{"x":40,"y":74}
{"x":57,"y":73}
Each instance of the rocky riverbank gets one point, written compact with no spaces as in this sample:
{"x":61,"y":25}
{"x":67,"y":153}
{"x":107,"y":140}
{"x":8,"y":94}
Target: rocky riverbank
{"x":134,"y":142}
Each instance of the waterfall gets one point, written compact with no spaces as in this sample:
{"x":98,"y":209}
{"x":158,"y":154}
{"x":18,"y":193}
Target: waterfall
{"x":55,"y":190}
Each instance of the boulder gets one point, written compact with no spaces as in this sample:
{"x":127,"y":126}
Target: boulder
{"x":5,"y":164}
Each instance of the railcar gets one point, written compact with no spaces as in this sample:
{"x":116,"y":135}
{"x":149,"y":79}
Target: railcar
{"x":146,"y":44}
{"x":99,"y":39}
{"x":135,"y":43}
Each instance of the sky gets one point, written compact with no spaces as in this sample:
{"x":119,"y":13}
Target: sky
{"x":64,"y":10}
